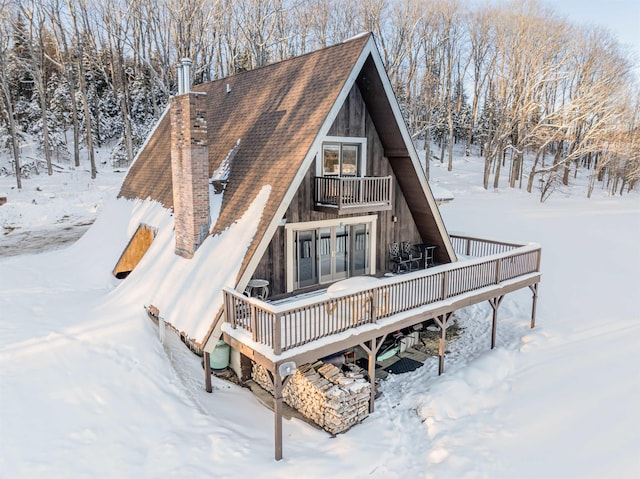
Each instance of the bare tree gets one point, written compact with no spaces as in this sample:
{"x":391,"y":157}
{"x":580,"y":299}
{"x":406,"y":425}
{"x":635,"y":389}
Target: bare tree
{"x":256,"y":20}
{"x":6,"y":33}
{"x":35,"y":63}
{"x":63,"y":60}
{"x":79,"y":36}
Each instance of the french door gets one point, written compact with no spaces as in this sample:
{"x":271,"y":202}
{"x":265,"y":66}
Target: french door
{"x":332,"y":253}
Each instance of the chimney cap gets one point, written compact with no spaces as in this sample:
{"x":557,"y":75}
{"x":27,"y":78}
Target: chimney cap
{"x":184,"y":76}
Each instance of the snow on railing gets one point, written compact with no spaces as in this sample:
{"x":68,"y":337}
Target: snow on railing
{"x":299,"y":321}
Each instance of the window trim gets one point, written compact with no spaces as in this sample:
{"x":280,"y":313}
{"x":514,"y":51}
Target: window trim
{"x":291,"y":228}
{"x":348,"y":140}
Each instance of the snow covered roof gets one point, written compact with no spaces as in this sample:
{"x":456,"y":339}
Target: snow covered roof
{"x":271,"y":121}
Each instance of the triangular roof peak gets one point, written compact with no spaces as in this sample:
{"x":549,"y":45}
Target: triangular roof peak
{"x":369,"y":74}
{"x":276,"y":117}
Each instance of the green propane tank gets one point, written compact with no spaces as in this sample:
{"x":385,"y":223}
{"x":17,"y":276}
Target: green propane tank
{"x":219,"y":357}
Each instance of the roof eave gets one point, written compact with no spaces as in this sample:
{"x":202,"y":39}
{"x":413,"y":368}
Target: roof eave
{"x":413,"y":154}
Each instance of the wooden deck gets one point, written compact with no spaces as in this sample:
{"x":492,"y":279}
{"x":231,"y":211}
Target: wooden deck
{"x":281,"y":336}
{"x":497,"y":269}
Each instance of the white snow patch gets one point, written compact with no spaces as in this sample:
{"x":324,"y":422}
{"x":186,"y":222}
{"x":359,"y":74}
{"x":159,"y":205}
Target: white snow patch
{"x":187,"y":292}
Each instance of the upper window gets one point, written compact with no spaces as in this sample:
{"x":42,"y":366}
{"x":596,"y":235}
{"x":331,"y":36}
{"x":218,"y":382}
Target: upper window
{"x":343,"y":156}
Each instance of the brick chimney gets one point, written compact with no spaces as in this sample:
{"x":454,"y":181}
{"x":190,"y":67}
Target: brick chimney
{"x":189,"y":165}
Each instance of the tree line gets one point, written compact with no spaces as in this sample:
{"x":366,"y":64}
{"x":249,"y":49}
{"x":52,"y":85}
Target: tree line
{"x":504,"y":80}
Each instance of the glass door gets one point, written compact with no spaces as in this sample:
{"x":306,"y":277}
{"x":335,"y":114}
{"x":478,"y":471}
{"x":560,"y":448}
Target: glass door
{"x":341,"y":252}
{"x":306,"y":258}
{"x":333,"y":253}
{"x":359,"y":250}
{"x":329,"y":254}
{"x":325,"y":250}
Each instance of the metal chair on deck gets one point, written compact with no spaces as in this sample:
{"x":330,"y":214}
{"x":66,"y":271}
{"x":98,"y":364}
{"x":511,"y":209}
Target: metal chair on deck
{"x":429,"y":256}
{"x":396,"y":258}
{"x":411,"y":254}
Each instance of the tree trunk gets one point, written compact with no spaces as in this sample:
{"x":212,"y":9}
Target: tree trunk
{"x":487,"y":171}
{"x":533,"y":171}
{"x":76,"y":123}
{"x":87,"y":116}
{"x":496,"y":178}
{"x":450,"y":120}
{"x":45,"y":132}
{"x":14,"y":137}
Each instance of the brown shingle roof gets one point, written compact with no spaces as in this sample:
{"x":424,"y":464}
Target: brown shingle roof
{"x":276,"y":113}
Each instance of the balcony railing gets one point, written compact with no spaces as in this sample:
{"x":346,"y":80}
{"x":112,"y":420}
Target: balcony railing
{"x":346,"y":194}
{"x":300,"y":321}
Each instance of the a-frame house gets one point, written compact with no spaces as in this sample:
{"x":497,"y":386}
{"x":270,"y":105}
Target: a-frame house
{"x":301,"y":206}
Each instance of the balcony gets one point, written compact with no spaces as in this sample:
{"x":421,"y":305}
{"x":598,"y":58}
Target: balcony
{"x":344,"y":195}
{"x":391,"y":303}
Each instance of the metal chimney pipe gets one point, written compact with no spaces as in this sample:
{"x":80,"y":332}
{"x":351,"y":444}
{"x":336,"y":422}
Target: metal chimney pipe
{"x":186,"y":71}
{"x":180,"y":79}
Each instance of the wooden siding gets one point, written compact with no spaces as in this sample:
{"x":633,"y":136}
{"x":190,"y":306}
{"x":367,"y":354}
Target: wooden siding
{"x":422,"y":213}
{"x":353,"y":120}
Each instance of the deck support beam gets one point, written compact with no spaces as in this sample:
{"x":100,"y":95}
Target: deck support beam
{"x":534,"y":290}
{"x":441,"y":321}
{"x":278,"y":385}
{"x":372,"y":351}
{"x":206,"y":357}
{"x":277,"y":412}
{"x":495,"y":304}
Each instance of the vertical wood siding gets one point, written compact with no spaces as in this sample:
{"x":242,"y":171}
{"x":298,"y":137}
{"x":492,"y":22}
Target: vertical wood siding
{"x":352,"y":120}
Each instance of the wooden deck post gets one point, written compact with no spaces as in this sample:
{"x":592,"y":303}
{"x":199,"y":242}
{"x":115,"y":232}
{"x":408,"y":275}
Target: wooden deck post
{"x":277,"y":334}
{"x":277,"y":413}
{"x":254,"y":322}
{"x":441,"y":348}
{"x":445,"y":284}
{"x":278,"y":385}
{"x":441,"y":321}
{"x":534,"y":290}
{"x":495,"y":304}
{"x":374,"y":305}
{"x":372,"y":350}
{"x":207,"y":371}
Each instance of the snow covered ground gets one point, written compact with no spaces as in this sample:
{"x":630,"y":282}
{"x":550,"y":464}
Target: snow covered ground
{"x":87,"y":390}
{"x":52,"y":211}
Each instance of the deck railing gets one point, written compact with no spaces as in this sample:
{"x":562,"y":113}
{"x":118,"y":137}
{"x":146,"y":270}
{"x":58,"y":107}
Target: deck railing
{"x":476,"y":247}
{"x":351,"y":192}
{"x":300,"y":321}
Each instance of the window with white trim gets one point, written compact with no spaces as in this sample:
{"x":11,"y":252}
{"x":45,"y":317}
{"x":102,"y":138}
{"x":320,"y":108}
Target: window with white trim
{"x":343,"y":156}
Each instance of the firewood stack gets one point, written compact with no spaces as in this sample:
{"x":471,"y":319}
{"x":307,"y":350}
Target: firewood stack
{"x":333,"y":399}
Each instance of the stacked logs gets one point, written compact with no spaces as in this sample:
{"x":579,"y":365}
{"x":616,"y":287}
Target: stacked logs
{"x":334,"y":399}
